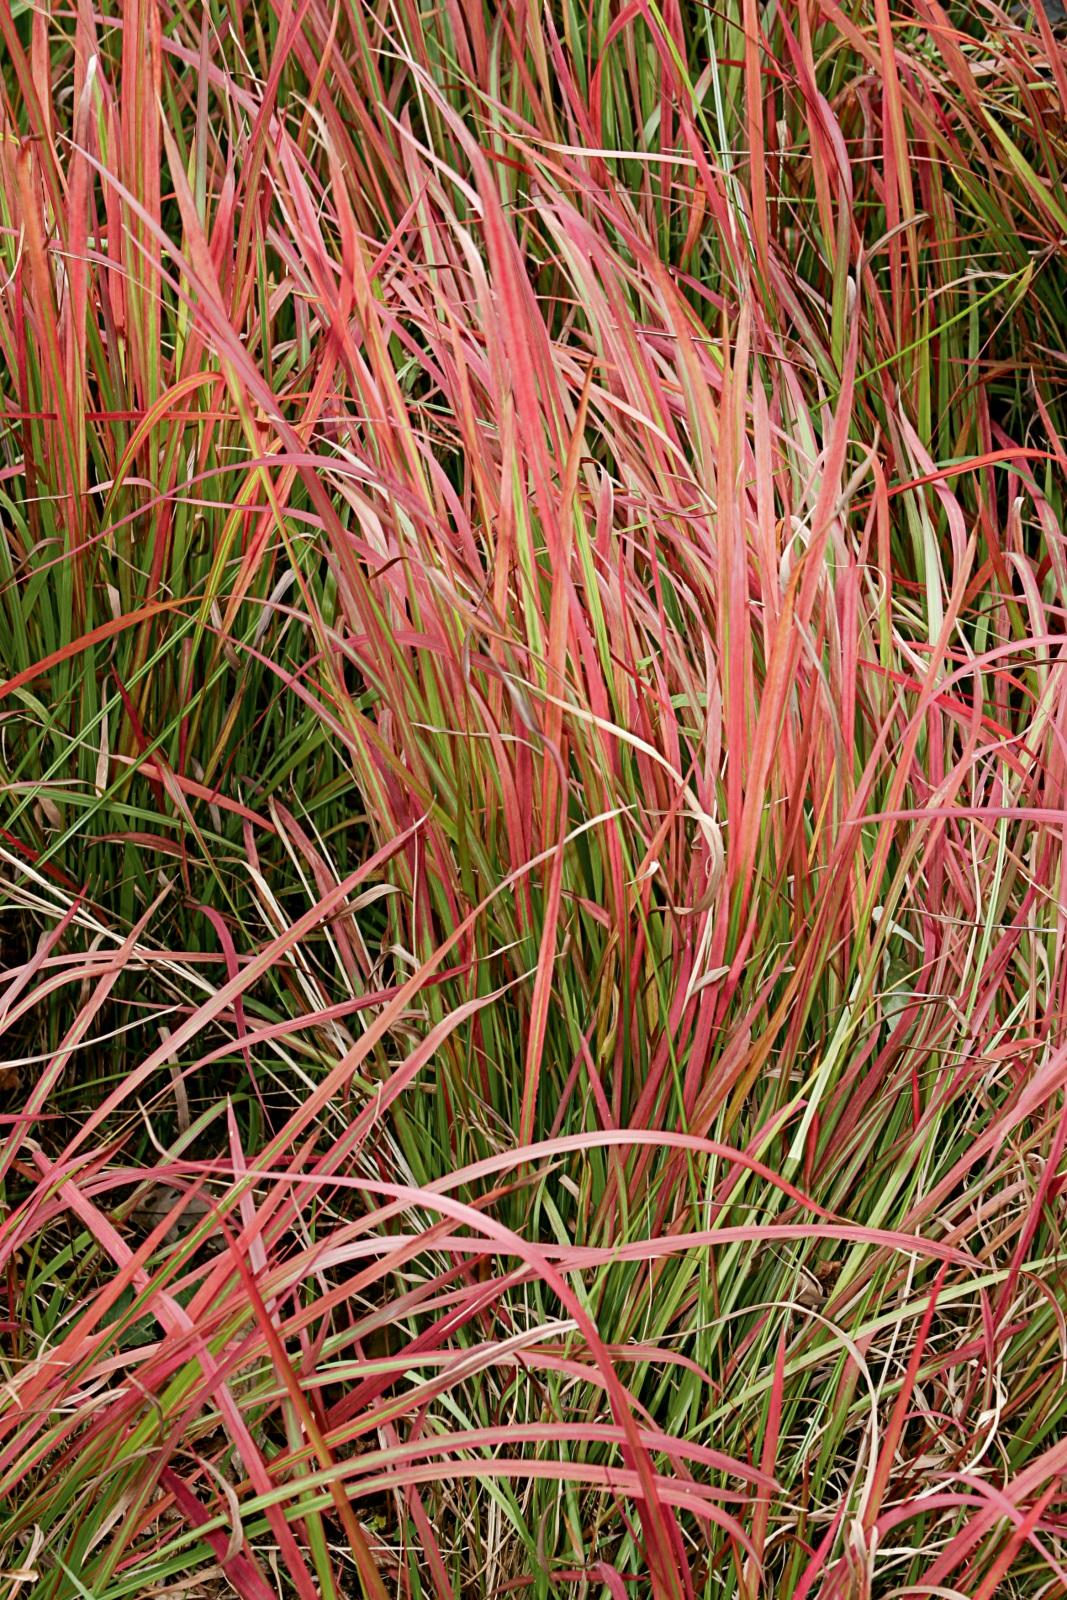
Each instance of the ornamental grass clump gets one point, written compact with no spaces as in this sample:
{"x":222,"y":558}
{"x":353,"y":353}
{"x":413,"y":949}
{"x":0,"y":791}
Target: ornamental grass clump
{"x":533,"y":744}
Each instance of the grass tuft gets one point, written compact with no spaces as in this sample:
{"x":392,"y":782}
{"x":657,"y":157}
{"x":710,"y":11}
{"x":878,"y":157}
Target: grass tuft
{"x":533,"y":932}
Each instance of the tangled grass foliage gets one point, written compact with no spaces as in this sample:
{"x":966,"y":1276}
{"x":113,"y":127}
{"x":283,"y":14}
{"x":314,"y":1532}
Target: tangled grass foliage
{"x":533,"y":743}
